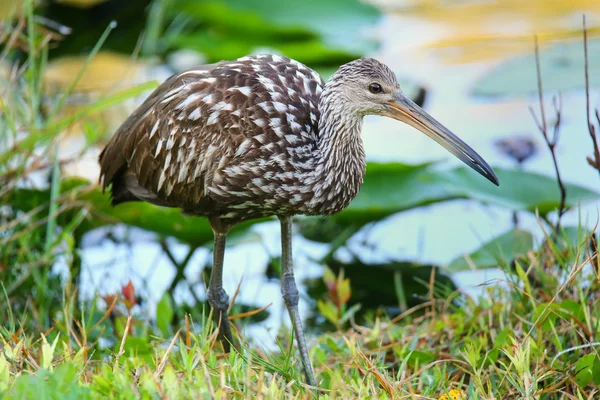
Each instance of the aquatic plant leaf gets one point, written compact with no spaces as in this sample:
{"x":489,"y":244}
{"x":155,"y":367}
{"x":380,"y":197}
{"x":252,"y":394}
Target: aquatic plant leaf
{"x":227,"y":30}
{"x":393,"y":187}
{"x":498,"y":252}
{"x":562,"y":68}
{"x":388,"y":189}
{"x":168,"y":222}
{"x":518,"y":190}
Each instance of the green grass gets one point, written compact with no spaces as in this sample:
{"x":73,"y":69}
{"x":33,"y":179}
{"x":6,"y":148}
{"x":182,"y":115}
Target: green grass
{"x":518,"y":340}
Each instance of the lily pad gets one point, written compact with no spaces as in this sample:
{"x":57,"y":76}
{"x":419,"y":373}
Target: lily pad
{"x":168,"y":222}
{"x":499,"y":251}
{"x":308,"y":31}
{"x":562,"y":68}
{"x":338,"y":22}
{"x":393,"y":187}
{"x":388,"y":189}
{"x":518,"y":190}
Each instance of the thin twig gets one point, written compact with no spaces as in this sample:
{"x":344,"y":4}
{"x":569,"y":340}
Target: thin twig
{"x":543,"y":127}
{"x":595,"y":161}
{"x":163,"y":361}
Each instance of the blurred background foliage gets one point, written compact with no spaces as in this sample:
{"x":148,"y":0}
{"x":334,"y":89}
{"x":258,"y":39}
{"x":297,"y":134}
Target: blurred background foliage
{"x":72,"y":70}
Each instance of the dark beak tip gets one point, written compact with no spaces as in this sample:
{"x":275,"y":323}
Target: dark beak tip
{"x":491,"y":176}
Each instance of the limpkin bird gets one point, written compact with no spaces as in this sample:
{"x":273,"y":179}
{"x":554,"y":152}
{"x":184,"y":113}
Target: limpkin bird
{"x":260,"y":136}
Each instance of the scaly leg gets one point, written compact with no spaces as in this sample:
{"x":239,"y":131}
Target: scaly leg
{"x":217,"y":297}
{"x":290,"y":296}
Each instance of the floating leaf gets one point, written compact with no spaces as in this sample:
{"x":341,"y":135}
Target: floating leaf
{"x":562,"y":68}
{"x":518,"y":190}
{"x":161,"y":220}
{"x":388,"y":189}
{"x":497,"y":252}
{"x":307,"y":31}
{"x":393,"y":187}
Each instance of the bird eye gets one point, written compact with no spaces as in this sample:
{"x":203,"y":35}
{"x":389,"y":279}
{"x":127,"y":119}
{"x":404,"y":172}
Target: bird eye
{"x":375,"y":88}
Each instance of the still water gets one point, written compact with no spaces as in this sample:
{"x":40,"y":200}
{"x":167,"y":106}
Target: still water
{"x":445,"y":52}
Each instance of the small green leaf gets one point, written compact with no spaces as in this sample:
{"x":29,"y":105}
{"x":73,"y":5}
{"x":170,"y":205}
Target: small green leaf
{"x":328,"y":310}
{"x":48,"y":352}
{"x":351,"y":311}
{"x":585,"y":369}
{"x":4,"y":373}
{"x":344,"y":291}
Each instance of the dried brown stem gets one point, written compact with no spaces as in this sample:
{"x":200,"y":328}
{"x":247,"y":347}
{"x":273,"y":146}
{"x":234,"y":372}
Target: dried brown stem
{"x":551,"y":142}
{"x":595,"y":161}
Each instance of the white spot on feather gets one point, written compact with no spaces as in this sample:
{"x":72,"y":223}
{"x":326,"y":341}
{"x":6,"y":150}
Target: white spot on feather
{"x":173,"y":91}
{"x":194,"y":115}
{"x":292,"y":139}
{"x":158,"y":147}
{"x":167,"y":161}
{"x":265,"y":106}
{"x":214,"y":117}
{"x":243,"y":147}
{"x":161,"y":180}
{"x":208,"y":99}
{"x":260,"y":138}
{"x":222,"y":106}
{"x":170,"y":142}
{"x":245,"y":90}
{"x":267,"y":83}
{"x":189,"y":100}
{"x":280,"y":106}
{"x":154,"y":128}
{"x":182,"y":172}
{"x":295,"y":126}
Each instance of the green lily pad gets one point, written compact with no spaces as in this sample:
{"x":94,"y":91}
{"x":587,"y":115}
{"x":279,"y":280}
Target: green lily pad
{"x":499,"y":251}
{"x":393,"y":187}
{"x":562,"y":68}
{"x":388,"y":189}
{"x":338,"y":22}
{"x":308,"y":31}
{"x":161,"y":220}
{"x":518,"y":190}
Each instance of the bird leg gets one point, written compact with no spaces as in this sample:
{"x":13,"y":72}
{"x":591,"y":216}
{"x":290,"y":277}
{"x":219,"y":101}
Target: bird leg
{"x":290,"y":296}
{"x":217,"y":297}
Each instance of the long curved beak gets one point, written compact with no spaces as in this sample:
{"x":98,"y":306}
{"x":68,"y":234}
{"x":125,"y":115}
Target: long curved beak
{"x":404,"y":109}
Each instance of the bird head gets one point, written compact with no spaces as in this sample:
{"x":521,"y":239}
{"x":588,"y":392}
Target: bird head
{"x":369,"y":87}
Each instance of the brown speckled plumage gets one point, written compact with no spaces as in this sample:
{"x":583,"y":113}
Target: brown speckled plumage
{"x":259,"y":136}
{"x":239,"y":140}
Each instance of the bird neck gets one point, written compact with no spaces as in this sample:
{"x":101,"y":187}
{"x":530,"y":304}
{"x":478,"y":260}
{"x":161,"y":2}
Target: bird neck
{"x":342,"y":161}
